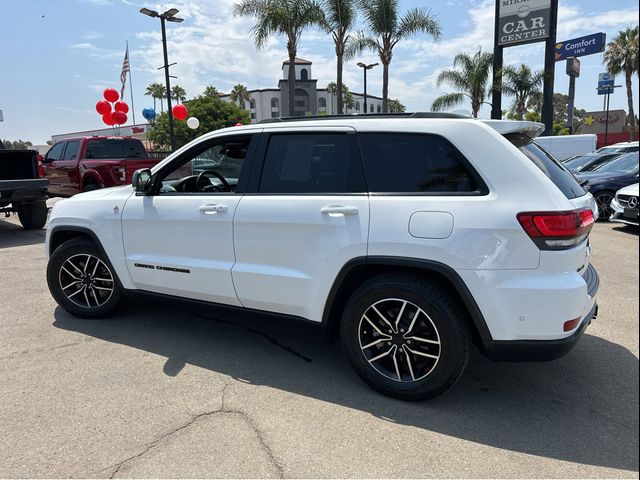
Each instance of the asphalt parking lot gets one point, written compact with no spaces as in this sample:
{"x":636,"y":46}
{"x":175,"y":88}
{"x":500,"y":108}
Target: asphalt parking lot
{"x":177,"y":391}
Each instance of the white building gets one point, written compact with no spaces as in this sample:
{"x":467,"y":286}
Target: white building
{"x":309,"y":99}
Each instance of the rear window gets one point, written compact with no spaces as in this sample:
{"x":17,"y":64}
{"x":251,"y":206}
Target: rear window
{"x":115,"y":148}
{"x":552,"y":168}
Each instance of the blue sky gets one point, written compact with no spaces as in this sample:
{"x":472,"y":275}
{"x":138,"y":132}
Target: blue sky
{"x":58,"y":56}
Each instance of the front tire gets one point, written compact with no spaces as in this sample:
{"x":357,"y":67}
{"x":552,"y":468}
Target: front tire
{"x":82,"y":280}
{"x":405,"y":337}
{"x":603,"y":200}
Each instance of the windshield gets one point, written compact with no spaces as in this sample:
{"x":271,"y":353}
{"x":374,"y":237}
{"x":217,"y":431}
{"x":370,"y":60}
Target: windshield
{"x":627,"y":163}
{"x":552,"y":168}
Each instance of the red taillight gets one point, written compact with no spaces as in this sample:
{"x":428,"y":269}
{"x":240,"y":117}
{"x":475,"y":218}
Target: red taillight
{"x":571,"y":324}
{"x":557,"y":230}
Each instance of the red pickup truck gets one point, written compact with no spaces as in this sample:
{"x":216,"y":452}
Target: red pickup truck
{"x":75,"y":165}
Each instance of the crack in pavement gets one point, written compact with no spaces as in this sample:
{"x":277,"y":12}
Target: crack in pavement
{"x":272,"y":340}
{"x":222,"y":410}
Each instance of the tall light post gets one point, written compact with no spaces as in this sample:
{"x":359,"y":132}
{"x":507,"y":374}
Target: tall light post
{"x":365,"y":68}
{"x":168,"y":16}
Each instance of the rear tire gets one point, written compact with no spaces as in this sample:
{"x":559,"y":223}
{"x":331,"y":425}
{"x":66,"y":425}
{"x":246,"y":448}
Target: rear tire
{"x":82,"y":280}
{"x":417,"y":324}
{"x":33,"y":216}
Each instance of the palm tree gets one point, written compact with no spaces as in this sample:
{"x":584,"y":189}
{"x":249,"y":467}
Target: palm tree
{"x":470,"y":79}
{"x":240,"y":94}
{"x":285,"y":17}
{"x":622,"y":56}
{"x":155,"y":91}
{"x":523,"y":84}
{"x":339,"y":17}
{"x":387,"y":29}
{"x":211,"y":91}
{"x":178,"y":93}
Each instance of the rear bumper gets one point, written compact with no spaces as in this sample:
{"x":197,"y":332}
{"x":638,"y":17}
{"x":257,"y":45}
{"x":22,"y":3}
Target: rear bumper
{"x":545,"y":350}
{"x":537,"y":350}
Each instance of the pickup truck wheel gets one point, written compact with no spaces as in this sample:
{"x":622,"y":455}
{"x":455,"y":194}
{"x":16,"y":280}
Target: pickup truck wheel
{"x":82,"y":280}
{"x":33,"y":216}
{"x":405,"y":337}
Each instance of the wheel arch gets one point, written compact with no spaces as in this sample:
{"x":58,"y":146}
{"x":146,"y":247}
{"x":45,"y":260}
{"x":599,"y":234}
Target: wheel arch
{"x":358,"y":270}
{"x":62,"y":234}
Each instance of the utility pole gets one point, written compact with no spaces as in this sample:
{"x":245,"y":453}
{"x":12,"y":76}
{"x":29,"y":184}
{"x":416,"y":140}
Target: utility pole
{"x":496,"y":87}
{"x":549,"y":70}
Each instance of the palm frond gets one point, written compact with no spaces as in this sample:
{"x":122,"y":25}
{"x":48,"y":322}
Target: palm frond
{"x":418,"y":20}
{"x":447,"y":101}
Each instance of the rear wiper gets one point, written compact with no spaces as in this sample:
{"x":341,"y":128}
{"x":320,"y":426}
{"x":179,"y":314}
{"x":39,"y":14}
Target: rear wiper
{"x":583,"y":182}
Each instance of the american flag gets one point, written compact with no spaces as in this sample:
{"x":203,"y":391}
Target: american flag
{"x":125,"y":69}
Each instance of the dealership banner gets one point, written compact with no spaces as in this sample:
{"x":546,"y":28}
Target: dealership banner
{"x":523,"y":21}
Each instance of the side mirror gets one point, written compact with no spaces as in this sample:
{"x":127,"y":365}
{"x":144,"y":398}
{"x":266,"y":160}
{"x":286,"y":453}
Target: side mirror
{"x":141,"y":180}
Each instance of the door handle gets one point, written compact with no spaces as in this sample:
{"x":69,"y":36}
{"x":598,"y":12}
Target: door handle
{"x":212,"y":209}
{"x":339,"y":210}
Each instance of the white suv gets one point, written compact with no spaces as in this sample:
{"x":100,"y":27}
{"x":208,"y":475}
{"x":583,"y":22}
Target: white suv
{"x":409,"y":236}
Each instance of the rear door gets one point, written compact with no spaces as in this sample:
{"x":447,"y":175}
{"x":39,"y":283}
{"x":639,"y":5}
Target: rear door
{"x":305,"y":217}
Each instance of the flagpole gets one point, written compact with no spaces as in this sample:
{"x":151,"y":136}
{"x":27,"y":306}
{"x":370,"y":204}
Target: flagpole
{"x":133,"y":110}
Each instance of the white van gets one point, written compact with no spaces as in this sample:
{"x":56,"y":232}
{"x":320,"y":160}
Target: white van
{"x":564,"y":146}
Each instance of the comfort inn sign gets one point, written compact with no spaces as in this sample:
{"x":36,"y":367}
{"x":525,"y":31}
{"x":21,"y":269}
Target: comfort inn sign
{"x":523,"y":21}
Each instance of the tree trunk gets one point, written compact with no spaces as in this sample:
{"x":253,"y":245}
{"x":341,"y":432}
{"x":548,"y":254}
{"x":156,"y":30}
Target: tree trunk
{"x":385,"y":87}
{"x":291,"y":78}
{"x":339,"y":100}
{"x":632,"y":121}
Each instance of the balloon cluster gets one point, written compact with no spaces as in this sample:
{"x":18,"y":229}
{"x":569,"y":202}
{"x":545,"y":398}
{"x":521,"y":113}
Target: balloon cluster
{"x":180,"y":112}
{"x":115,"y":114}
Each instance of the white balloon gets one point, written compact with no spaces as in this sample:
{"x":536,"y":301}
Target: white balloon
{"x":193,"y":123}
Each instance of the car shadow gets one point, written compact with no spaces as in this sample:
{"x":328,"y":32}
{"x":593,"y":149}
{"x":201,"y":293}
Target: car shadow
{"x":13,"y":235}
{"x":582,"y":408}
{"x":628,"y":229}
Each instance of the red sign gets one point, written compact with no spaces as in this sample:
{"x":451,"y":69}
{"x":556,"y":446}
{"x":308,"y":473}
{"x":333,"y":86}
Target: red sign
{"x":612,"y":118}
{"x":137,"y":130}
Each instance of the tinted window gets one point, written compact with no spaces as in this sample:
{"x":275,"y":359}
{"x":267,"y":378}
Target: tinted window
{"x":557,"y":173}
{"x":315,"y":163}
{"x":115,"y":148}
{"x":71,"y":153}
{"x":401,"y":162}
{"x":56,"y":152}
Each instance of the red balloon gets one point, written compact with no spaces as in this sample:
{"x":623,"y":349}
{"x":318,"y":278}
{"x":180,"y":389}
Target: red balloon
{"x":103,"y":107}
{"x":119,"y":117}
{"x":180,"y":112}
{"x":108,"y":119}
{"x":239,"y":124}
{"x":121,"y":107}
{"x":111,"y":95}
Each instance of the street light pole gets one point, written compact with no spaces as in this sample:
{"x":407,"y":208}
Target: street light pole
{"x":365,"y":68}
{"x":168,"y":16}
{"x":172,"y":138}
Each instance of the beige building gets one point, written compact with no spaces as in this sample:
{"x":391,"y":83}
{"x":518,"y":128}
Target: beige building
{"x":309,"y":99}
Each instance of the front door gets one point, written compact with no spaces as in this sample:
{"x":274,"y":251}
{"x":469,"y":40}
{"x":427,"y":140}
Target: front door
{"x":307,"y":217}
{"x":179,"y":239}
{"x":53,"y":169}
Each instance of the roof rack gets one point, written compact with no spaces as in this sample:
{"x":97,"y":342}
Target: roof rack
{"x":365,"y":116}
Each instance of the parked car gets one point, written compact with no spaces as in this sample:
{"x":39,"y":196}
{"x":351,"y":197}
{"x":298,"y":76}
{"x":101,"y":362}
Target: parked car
{"x":587,"y":162}
{"x":563,"y":146}
{"x":625,"y":206}
{"x":409,"y":236}
{"x":622,"y":147}
{"x":82,"y":164}
{"x":21,"y":189}
{"x":608,"y":178}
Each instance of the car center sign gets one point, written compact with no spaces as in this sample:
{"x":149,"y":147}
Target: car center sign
{"x":578,"y":47}
{"x":523,"y":21}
